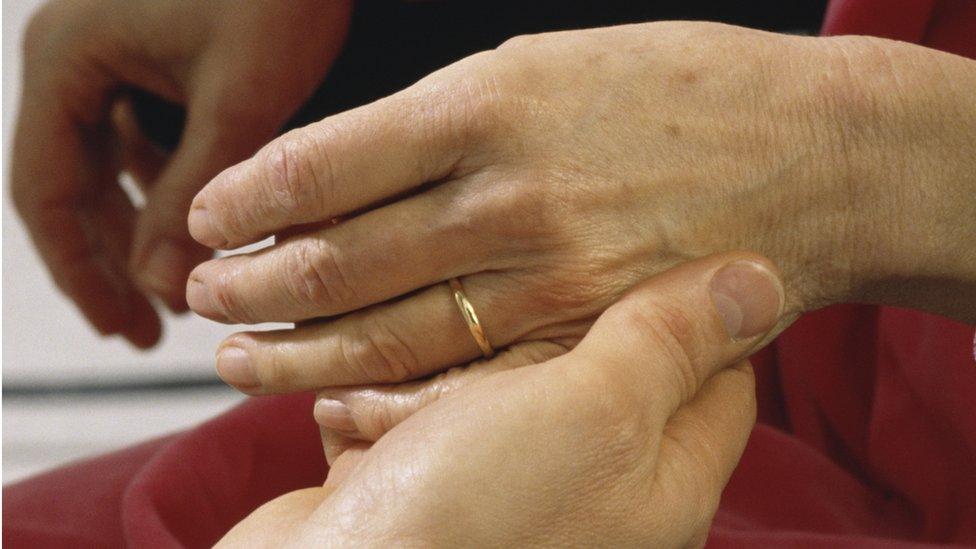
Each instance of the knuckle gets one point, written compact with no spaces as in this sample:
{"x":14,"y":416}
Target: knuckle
{"x":494,"y":104}
{"x":520,"y":41}
{"x":316,"y":277}
{"x":378,"y":355}
{"x":293,"y":181}
{"x":228,"y":300}
{"x":483,"y":99}
{"x":521,"y":212}
{"x":528,"y":198}
{"x":473,"y":108}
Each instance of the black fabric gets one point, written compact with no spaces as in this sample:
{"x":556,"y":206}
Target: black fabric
{"x":393,"y":44}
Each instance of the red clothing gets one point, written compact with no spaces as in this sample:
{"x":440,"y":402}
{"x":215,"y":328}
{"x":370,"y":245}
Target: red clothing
{"x":867,"y":433}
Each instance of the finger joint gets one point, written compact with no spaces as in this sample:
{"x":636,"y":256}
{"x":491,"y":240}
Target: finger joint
{"x":317,"y":277}
{"x":292,"y":175}
{"x":379,"y":355}
{"x":228,"y":300}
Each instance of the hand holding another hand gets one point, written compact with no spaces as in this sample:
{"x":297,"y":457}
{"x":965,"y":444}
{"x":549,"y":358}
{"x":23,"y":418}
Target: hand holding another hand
{"x":551,"y":175}
{"x":628,"y":440}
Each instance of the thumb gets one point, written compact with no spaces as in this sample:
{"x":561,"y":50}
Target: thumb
{"x":163,"y":252}
{"x":673,"y":332}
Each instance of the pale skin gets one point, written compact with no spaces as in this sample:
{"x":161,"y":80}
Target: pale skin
{"x":626,"y":441}
{"x":568,"y":167}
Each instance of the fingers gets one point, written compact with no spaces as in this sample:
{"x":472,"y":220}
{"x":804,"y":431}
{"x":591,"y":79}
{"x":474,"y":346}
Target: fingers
{"x":673,"y":332}
{"x":674,"y":322}
{"x":367,"y":413}
{"x":79,"y":220}
{"x":379,"y":255}
{"x":113,"y":219}
{"x":703,"y":442}
{"x":139,"y":156}
{"x":386,"y":343}
{"x":328,"y":169}
{"x":163,"y":252}
{"x":649,"y":382}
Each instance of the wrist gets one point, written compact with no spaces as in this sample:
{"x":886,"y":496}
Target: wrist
{"x":905,"y":135}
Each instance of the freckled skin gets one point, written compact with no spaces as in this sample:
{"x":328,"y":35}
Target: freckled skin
{"x":552,"y":190}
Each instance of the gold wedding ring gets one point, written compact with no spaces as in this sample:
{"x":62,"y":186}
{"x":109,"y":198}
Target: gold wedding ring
{"x":471,"y":318}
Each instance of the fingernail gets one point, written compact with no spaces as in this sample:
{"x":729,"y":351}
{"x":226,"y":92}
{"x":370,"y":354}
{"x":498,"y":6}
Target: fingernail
{"x":333,"y":414}
{"x":165,"y":268}
{"x":748,"y":298}
{"x":234,"y":367}
{"x":202,"y":228}
{"x":198,"y":297}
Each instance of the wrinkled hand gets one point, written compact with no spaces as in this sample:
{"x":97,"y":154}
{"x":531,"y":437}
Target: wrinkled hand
{"x":628,"y":440}
{"x":241,"y":69}
{"x":565,"y":167}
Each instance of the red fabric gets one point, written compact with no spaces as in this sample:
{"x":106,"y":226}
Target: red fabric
{"x":185,"y":490}
{"x":877,"y":440}
{"x":867,"y":434}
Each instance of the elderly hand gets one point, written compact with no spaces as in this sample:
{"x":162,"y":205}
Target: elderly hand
{"x":241,"y":69}
{"x":628,"y":440}
{"x":555,"y":172}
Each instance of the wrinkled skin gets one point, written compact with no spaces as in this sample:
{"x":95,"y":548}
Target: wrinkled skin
{"x":568,"y":166}
{"x":626,"y":441}
{"x":240,"y":69}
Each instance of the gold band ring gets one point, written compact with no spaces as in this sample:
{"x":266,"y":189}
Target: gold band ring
{"x":471,"y":318}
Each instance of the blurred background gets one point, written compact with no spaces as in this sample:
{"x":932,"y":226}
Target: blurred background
{"x":67,"y":392}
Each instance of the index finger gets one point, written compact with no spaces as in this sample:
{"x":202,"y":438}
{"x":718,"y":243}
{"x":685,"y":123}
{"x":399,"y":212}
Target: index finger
{"x":59,"y":189}
{"x":340,"y":164}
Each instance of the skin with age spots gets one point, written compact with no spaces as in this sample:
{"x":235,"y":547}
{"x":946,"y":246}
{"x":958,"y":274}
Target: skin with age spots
{"x":554,"y":189}
{"x":551,"y":190}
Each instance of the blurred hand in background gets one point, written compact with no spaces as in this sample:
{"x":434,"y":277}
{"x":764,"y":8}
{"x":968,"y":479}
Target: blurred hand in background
{"x":239,"y":69}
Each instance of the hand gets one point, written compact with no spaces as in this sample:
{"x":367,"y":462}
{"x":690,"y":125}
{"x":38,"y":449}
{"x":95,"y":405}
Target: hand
{"x":240,"y":69}
{"x":628,"y":440}
{"x":555,"y":172}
